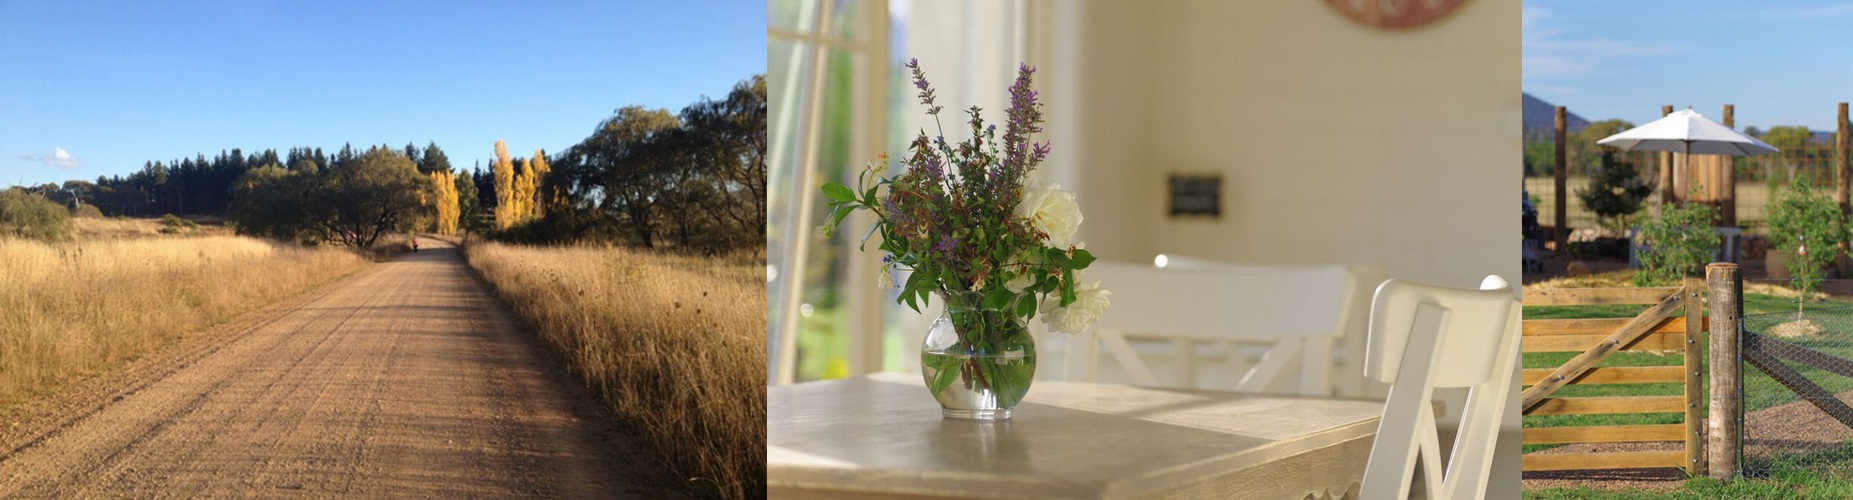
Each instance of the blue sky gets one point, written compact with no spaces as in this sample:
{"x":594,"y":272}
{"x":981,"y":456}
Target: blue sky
{"x":97,"y":88}
{"x":1779,"y":63}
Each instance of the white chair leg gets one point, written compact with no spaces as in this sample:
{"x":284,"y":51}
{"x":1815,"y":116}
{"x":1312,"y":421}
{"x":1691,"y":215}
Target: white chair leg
{"x":1183,"y":363}
{"x":1275,"y":361}
{"x":1316,"y":367}
{"x":1470,"y":467}
{"x":1129,"y":359}
{"x":1388,"y":474}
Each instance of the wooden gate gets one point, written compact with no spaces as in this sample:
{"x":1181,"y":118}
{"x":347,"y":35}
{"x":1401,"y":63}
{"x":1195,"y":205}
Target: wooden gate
{"x":1595,"y":339}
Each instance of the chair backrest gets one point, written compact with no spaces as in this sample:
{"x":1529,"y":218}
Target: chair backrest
{"x":1232,"y":302}
{"x":1427,"y":336}
{"x":1299,"y":310}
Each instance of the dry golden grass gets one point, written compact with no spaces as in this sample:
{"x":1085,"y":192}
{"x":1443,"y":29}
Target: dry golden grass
{"x":675,"y":344}
{"x":132,"y":227}
{"x":75,"y":309}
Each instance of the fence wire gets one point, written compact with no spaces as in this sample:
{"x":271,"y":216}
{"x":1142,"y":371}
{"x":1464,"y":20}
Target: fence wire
{"x":1784,"y":429}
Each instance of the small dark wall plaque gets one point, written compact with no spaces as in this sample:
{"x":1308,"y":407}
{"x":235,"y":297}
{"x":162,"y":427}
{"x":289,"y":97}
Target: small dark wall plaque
{"x":1196,"y":195}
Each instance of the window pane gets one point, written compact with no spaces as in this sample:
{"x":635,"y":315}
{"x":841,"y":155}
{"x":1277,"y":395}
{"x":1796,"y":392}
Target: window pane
{"x":793,"y":15}
{"x":823,"y":332}
{"x":788,"y":71}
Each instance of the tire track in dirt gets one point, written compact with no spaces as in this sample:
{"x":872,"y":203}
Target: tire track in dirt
{"x":406,"y":380}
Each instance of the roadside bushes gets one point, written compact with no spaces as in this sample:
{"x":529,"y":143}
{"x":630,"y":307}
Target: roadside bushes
{"x":24,"y":214}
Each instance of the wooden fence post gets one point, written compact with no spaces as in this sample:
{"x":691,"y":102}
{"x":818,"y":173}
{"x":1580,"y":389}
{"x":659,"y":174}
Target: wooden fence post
{"x":1562,"y":233}
{"x":1724,"y":293}
{"x":1667,"y":195}
{"x":1694,"y":301}
{"x":1841,"y":174}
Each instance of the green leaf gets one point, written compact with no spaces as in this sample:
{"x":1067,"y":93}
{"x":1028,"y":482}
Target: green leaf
{"x":1026,"y":307}
{"x":1067,"y":287}
{"x":944,"y":377}
{"x":839,"y":192}
{"x":998,"y":298}
{"x":1081,"y":259}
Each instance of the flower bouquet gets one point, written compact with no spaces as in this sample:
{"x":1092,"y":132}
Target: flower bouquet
{"x":996,"y":247}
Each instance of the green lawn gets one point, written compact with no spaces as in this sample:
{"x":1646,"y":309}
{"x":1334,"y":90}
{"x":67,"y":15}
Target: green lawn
{"x":1818,"y":475}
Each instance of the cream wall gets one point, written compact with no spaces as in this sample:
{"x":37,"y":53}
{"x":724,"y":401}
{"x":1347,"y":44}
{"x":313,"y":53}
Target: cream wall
{"x":1337,"y":143}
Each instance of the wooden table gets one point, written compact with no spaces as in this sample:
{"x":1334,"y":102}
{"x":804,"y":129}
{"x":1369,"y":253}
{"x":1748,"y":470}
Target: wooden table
{"x":882,"y":436}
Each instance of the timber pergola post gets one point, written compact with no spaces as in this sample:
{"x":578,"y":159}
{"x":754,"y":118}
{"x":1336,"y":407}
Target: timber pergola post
{"x":1667,"y":194}
{"x":1727,"y":179}
{"x":1841,"y":174}
{"x":1724,"y":293}
{"x":1562,"y":209}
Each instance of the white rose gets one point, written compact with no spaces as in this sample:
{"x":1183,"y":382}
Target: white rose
{"x":1090,"y":302}
{"x":1052,"y":211}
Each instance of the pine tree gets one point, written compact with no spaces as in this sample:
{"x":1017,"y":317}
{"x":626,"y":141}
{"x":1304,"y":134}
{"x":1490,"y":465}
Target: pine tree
{"x":1616,"y":192}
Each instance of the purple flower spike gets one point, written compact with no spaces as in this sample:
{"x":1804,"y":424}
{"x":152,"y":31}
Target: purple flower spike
{"x":945,"y":244}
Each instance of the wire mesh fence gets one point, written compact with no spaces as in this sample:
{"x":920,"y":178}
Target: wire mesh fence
{"x":1796,"y":383}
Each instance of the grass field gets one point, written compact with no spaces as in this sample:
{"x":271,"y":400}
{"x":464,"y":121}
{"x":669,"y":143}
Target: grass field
{"x":675,"y":344}
{"x":75,"y":309}
{"x":1813,"y":476}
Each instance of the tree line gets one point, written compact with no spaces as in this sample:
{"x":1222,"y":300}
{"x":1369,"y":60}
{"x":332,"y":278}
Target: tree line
{"x":693,"y":179}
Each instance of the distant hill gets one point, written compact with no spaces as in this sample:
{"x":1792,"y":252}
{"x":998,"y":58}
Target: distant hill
{"x":1541,"y":117}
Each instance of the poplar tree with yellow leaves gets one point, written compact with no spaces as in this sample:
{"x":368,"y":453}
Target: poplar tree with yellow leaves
{"x":445,"y":199}
{"x":537,"y":168}
{"x":507,"y":204}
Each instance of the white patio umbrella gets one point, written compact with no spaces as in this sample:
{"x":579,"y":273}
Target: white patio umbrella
{"x":1686,"y":131}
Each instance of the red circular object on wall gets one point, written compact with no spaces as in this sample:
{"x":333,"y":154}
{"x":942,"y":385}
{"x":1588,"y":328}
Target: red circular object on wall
{"x":1396,"y":14}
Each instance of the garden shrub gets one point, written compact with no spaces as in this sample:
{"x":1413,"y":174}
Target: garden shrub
{"x":1683,"y":243}
{"x":1805,"y":222}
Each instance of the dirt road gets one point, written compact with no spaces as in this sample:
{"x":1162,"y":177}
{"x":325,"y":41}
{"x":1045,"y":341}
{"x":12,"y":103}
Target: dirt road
{"x":405,"y":380}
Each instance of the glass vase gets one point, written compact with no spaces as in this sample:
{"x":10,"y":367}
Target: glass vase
{"x":977,"y":361}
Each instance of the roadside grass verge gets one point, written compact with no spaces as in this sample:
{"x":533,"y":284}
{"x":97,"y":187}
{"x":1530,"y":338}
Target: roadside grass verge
{"x":72,"y":310}
{"x":675,"y":345}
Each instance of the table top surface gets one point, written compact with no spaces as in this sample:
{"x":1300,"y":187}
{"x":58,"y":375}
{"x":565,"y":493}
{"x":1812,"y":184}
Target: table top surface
{"x":1080,"y":438}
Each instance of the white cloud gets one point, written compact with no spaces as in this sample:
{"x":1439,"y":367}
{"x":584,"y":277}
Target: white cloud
{"x":58,"y":158}
{"x":1551,"y":53}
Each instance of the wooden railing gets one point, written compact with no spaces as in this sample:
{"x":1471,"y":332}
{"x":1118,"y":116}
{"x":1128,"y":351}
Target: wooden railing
{"x":1655,"y":329}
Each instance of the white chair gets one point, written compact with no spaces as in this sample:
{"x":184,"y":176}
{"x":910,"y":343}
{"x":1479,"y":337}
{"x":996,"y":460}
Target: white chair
{"x":1299,"y":312}
{"x":1348,"y":354}
{"x":1427,"y":336}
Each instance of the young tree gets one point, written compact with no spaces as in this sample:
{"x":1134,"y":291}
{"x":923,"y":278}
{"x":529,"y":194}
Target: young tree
{"x":1682,"y":242}
{"x":1806,"y":222}
{"x":1616,"y":192}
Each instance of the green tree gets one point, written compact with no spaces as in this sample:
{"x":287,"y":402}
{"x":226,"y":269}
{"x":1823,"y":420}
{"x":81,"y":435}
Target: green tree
{"x":378,"y":193}
{"x":1682,"y":241}
{"x":25,"y":214}
{"x":433,"y":160}
{"x":1581,"y":148}
{"x":1808,"y":223}
{"x":1616,"y":192}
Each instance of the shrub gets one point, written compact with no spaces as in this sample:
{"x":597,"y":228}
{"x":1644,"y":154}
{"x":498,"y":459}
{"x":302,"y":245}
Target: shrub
{"x":1683,"y":243}
{"x":86,"y":210}
{"x":27,"y":215}
{"x":1799,"y":218}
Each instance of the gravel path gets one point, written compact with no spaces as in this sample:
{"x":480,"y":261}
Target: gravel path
{"x":405,"y":380}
